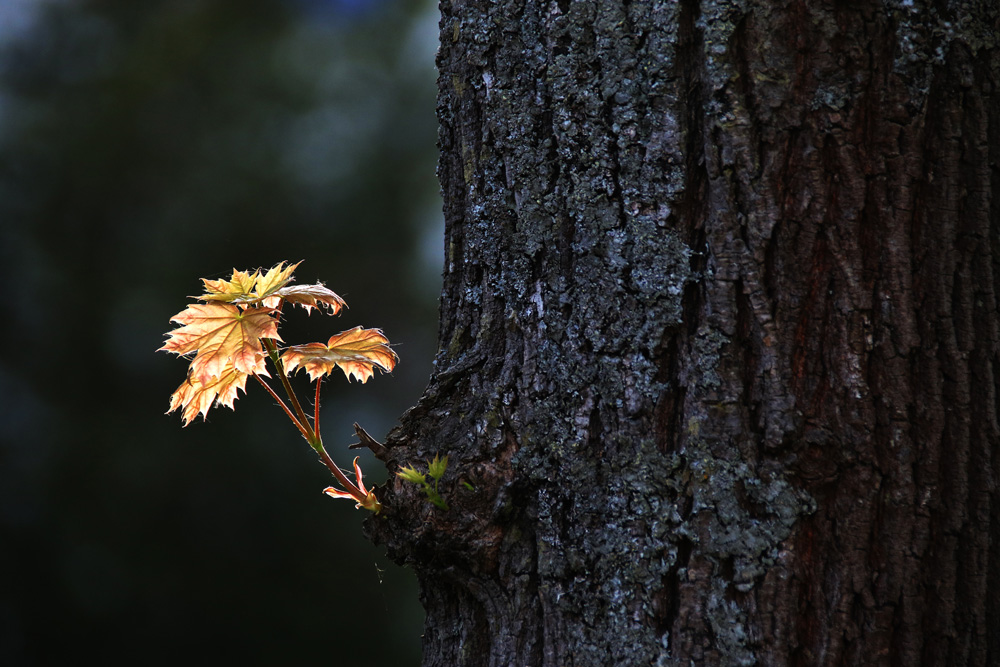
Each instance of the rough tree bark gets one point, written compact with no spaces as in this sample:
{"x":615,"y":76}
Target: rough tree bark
{"x":719,"y":337}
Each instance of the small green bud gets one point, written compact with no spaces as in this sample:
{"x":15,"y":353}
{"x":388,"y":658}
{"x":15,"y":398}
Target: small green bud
{"x":411,"y":474}
{"x":437,"y":467}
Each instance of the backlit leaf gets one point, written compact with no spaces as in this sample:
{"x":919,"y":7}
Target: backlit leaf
{"x":437,"y":467}
{"x":356,"y":352}
{"x":273,"y":280}
{"x":194,"y":396}
{"x":248,"y":288}
{"x":237,"y":288}
{"x":223,"y":336}
{"x":411,"y":474}
{"x":312,"y":296}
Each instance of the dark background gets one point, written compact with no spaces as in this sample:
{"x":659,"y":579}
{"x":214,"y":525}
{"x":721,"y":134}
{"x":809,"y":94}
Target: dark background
{"x":145,"y":145}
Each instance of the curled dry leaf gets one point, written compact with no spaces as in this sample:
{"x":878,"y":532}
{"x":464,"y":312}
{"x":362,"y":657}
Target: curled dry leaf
{"x":356,"y":352}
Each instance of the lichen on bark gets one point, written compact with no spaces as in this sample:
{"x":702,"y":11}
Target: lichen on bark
{"x":682,"y":367}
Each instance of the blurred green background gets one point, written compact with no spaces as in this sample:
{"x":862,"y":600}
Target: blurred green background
{"x":145,"y":145}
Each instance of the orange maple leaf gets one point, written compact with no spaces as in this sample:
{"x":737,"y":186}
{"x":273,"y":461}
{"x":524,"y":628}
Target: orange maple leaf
{"x":223,"y":336}
{"x":194,"y":396}
{"x":312,"y":296}
{"x":356,"y":351}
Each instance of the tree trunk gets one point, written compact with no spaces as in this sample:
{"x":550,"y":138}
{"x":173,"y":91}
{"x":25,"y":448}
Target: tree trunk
{"x":719,"y":337}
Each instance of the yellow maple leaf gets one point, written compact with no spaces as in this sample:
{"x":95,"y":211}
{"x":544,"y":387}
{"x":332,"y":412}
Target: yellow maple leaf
{"x":248,"y":288}
{"x":312,"y":296}
{"x":356,"y":352}
{"x":238,"y":288}
{"x":195,"y":397}
{"x":275,"y":278}
{"x":223,"y":336}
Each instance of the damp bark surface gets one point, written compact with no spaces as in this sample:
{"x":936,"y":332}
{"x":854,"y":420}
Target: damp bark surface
{"x":719,"y":337}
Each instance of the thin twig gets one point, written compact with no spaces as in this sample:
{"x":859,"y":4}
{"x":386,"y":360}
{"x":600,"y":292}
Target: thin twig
{"x":338,"y":473}
{"x":319,"y":382}
{"x":272,"y":352}
{"x":378,"y":449}
{"x":302,"y":429}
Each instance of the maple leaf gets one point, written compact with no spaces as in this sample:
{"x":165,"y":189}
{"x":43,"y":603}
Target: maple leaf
{"x":237,"y":288}
{"x":274,"y":280}
{"x":312,"y":296}
{"x":248,"y":288}
{"x":223,"y":336}
{"x":356,"y":351}
{"x":195,"y":396}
